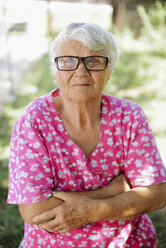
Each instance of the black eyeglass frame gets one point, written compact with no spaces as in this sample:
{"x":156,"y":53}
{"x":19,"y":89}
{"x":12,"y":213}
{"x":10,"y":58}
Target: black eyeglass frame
{"x":81,"y":59}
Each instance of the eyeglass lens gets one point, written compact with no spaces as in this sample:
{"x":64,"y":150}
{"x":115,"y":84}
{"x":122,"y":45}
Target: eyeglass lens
{"x":91,"y":62}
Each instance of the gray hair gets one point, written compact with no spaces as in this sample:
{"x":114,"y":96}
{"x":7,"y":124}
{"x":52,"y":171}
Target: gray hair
{"x":92,"y":36}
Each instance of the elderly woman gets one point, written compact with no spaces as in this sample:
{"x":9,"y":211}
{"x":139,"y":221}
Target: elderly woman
{"x":84,"y":166}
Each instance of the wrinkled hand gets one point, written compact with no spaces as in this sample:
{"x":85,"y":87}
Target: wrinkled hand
{"x":74,"y":212}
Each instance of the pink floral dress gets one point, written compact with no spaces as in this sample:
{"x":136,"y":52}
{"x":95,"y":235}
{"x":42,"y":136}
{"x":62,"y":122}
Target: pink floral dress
{"x":44,"y":159}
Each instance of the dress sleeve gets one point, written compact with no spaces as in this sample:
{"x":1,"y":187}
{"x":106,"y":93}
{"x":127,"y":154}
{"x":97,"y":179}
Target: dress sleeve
{"x":30,"y":172}
{"x":143,"y":164}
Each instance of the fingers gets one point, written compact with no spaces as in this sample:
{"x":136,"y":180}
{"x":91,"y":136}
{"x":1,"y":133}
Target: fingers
{"x":45,"y":216}
{"x":61,"y":195}
{"x":53,"y":226}
{"x":60,"y":230}
{"x":50,"y":225}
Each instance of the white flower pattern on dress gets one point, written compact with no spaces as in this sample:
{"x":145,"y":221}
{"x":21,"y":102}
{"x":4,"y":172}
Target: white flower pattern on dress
{"x":44,"y":159}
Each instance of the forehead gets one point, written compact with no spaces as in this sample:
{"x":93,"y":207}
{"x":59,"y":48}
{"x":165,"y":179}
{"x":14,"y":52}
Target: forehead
{"x":76,"y":48}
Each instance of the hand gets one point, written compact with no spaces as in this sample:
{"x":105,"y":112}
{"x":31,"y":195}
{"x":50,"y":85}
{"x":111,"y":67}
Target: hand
{"x":122,"y":184}
{"x":74,"y":212}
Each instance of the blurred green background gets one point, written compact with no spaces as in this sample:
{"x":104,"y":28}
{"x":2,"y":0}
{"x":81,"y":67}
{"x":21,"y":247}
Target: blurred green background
{"x":140,"y":77}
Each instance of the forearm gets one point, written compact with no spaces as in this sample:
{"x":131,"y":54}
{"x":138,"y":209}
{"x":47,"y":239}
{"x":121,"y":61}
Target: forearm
{"x":131,"y":204}
{"x":29,"y":211}
{"x":117,"y":186}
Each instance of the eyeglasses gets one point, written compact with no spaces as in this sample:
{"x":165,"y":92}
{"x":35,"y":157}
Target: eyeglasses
{"x":92,"y":63}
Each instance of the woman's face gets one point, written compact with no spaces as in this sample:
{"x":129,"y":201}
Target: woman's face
{"x":80,"y":84}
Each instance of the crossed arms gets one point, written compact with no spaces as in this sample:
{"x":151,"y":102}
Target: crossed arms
{"x":65,"y":211}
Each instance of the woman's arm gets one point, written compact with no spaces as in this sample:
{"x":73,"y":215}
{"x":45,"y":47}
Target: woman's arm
{"x":118,"y":185}
{"x":29,"y":211}
{"x":78,"y":211}
{"x":133,"y":203}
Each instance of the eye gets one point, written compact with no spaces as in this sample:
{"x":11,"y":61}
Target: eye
{"x":93,"y":60}
{"x":66,"y":61}
{"x":69,"y":61}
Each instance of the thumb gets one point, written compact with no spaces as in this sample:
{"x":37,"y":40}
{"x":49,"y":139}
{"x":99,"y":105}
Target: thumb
{"x":61,"y":195}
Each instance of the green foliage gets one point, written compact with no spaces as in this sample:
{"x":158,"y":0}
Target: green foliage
{"x":130,"y":75}
{"x":140,"y":74}
{"x":11,"y":224}
{"x":159,"y":219}
{"x":39,"y":76}
{"x":4,"y":171}
{"x":37,"y":81}
{"x":134,"y":73}
{"x":154,"y":23}
{"x":155,"y":15}
{"x":5,"y":129}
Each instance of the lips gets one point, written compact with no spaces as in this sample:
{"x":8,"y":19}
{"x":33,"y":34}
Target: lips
{"x":79,"y":85}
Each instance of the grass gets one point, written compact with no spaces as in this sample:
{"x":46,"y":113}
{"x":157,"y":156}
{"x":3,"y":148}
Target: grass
{"x":11,"y":224}
{"x":159,"y":220}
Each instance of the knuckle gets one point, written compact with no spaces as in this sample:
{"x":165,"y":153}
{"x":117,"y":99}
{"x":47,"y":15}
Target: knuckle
{"x":63,"y":219}
{"x":46,"y":215}
{"x":65,"y":226}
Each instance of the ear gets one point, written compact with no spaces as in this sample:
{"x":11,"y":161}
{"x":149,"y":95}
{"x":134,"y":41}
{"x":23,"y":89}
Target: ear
{"x":108,"y":75}
{"x":56,"y":77}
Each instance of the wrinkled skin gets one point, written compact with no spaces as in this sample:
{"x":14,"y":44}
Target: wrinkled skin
{"x":76,"y":211}
{"x":79,"y":208}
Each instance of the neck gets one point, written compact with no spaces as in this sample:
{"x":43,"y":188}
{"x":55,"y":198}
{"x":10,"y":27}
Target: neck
{"x":80,"y":114}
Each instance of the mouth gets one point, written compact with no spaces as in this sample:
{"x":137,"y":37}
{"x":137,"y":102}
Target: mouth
{"x":81,"y":85}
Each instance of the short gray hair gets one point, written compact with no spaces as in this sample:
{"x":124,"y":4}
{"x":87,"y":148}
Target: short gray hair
{"x":92,"y":36}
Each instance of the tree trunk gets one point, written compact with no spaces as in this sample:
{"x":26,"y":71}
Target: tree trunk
{"x":119,"y":8}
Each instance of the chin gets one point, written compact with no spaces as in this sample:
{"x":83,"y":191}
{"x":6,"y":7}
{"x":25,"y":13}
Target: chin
{"x":82,"y":94}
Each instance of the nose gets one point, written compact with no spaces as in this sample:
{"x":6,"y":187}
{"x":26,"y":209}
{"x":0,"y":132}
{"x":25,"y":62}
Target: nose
{"x":81,"y":68}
